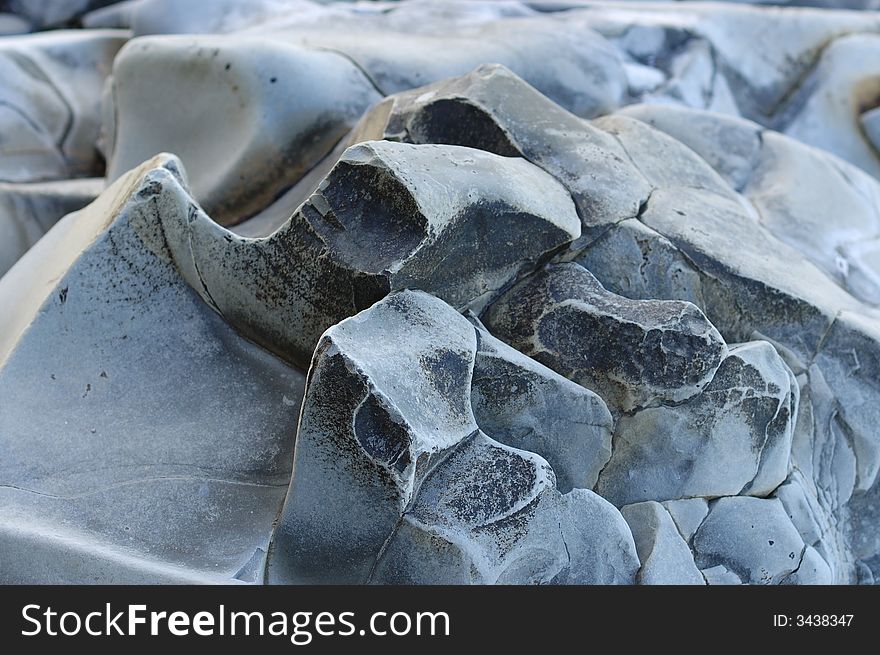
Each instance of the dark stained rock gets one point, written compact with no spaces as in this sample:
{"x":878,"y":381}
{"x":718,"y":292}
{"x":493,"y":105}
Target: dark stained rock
{"x":604,"y":183}
{"x":633,"y":353}
{"x":388,"y":216}
{"x":396,"y":483}
{"x":525,"y":405}
{"x":733,"y":438}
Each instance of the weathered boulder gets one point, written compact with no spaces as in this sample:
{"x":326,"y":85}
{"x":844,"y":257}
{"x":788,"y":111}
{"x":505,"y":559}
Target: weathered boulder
{"x":525,"y":405}
{"x":593,"y":165}
{"x":843,"y":84}
{"x":733,"y":438}
{"x":687,"y":514}
{"x":395,"y":482}
{"x":388,"y":216}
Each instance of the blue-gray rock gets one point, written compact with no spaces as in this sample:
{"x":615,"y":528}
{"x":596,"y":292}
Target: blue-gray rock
{"x":29,"y":210}
{"x":663,"y":552}
{"x":143,"y":440}
{"x":751,"y":537}
{"x":633,"y":353}
{"x":395,"y":483}
{"x":388,"y":216}
{"x":525,"y":405}
{"x":50,"y":103}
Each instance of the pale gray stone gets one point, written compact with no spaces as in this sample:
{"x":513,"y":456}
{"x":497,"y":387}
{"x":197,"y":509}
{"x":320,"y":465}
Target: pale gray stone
{"x":803,"y":509}
{"x":695,"y":224}
{"x":752,"y":537}
{"x":143,"y":439}
{"x":11,"y":24}
{"x":44,"y":14}
{"x":663,"y":553}
{"x":812,"y":570}
{"x":464,"y":508}
{"x":729,"y":145}
{"x":720,"y":575}
{"x":604,"y":183}
{"x":28,"y":211}
{"x":843,"y":83}
{"x":870,"y":121}
{"x":274,"y":110}
{"x":637,"y":262}
{"x":370,"y":434}
{"x":50,"y":103}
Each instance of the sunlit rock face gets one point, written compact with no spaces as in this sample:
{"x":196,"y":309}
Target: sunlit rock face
{"x":439,"y":292}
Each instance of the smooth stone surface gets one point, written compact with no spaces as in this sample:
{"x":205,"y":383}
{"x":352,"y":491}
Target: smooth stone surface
{"x":688,"y":514}
{"x":729,"y":145}
{"x":665,"y":556}
{"x":466,"y":188}
{"x":50,"y":103}
{"x":751,"y":537}
{"x":870,"y":121}
{"x":813,"y":570}
{"x":274,"y":110}
{"x":28,"y":211}
{"x":170,"y":460}
{"x":11,"y":24}
{"x":844,"y":82}
{"x":760,"y":270}
{"x":720,"y":575}
{"x":577,"y":538}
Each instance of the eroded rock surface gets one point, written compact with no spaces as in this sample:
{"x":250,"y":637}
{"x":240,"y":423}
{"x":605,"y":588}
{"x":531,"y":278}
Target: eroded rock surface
{"x":635,"y":353}
{"x":587,"y":292}
{"x":28,"y":211}
{"x":388,"y":216}
{"x":50,"y":103}
{"x":277,"y":110}
{"x":385,"y":491}
{"x":523,"y":404}
{"x":171,"y":457}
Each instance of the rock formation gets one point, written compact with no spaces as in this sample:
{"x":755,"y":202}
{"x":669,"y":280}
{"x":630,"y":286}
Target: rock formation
{"x":439,"y":292}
